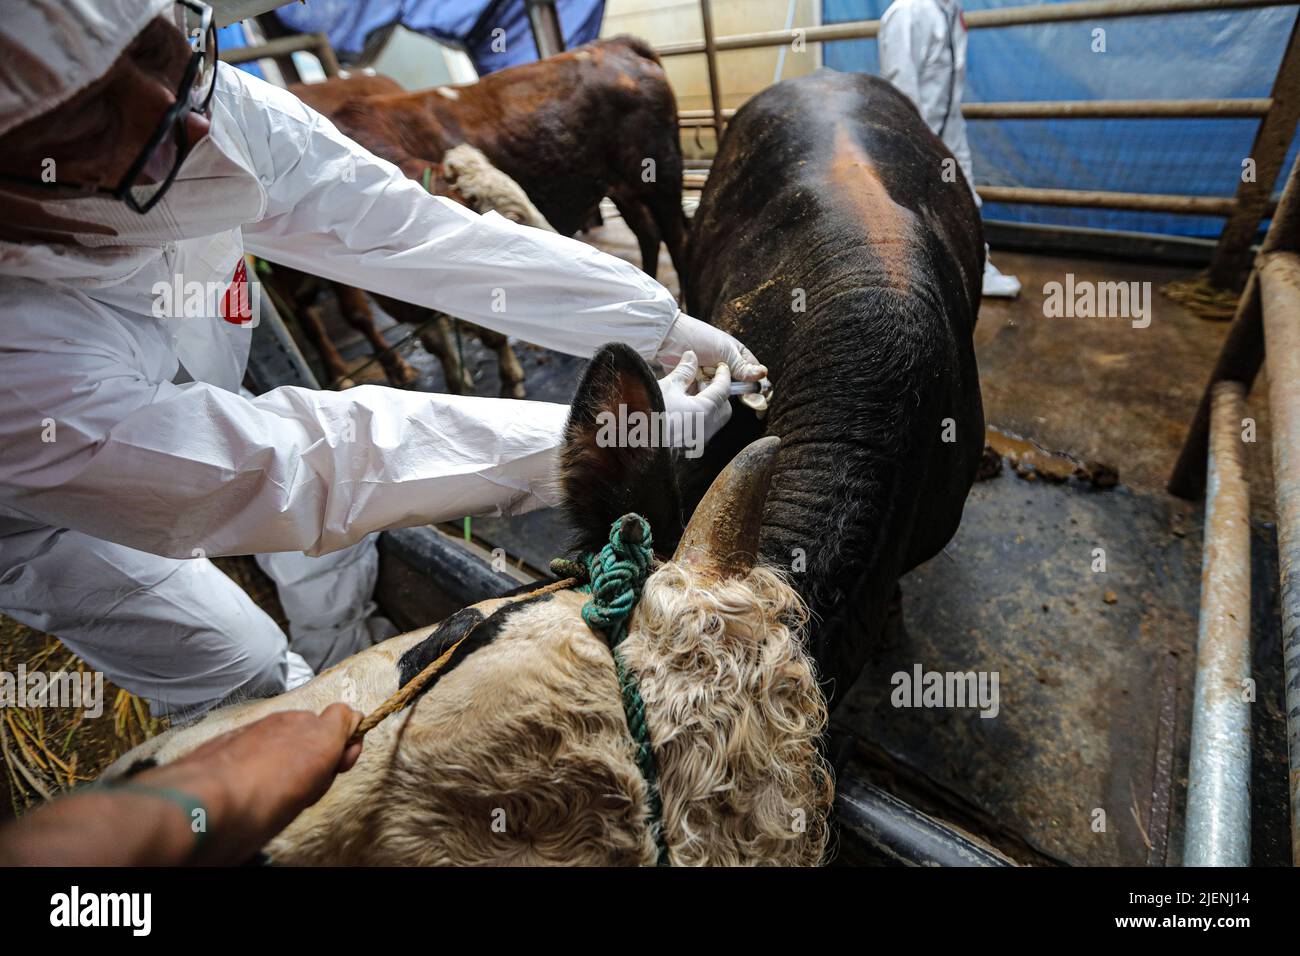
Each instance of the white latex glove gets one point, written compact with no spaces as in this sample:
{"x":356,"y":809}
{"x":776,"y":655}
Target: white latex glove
{"x":694,"y":419}
{"x":712,"y":346}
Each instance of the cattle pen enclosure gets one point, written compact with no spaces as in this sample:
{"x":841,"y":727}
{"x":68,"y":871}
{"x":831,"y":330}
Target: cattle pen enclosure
{"x":1119,"y":610}
{"x":1098,"y":667}
{"x":1093,"y":765}
{"x":1087,"y":591}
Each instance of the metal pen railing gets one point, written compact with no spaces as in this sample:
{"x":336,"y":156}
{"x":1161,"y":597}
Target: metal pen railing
{"x":1278,"y":268}
{"x":318,"y":44}
{"x":1217,"y":830}
{"x":1265,"y":328}
{"x":1278,"y":113}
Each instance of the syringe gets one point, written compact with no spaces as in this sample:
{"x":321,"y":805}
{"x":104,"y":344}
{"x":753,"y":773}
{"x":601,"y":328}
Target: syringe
{"x":749,"y":388}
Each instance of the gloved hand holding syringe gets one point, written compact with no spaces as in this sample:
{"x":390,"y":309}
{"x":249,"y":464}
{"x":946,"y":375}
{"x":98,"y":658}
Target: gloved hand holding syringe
{"x":748,"y":376}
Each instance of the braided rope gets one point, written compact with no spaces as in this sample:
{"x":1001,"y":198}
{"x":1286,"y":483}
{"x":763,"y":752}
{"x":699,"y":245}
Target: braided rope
{"x":616,"y":574}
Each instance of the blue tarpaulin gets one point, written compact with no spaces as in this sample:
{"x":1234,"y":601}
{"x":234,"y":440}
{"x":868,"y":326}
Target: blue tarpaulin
{"x":231,"y":38}
{"x":1183,"y":56}
{"x":495,"y":33}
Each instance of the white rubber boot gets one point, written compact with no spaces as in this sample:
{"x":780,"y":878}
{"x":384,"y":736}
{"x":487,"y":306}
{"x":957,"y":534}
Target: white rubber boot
{"x":997,"y":285}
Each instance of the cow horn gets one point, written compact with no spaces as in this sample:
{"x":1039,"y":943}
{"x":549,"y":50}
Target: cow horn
{"x":722,"y":536}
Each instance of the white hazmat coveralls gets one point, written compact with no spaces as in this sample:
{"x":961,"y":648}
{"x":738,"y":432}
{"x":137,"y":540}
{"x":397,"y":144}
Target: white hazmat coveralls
{"x":117,"y":484}
{"x":923,"y":53}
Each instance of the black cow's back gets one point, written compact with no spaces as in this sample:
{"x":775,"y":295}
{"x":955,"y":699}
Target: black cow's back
{"x":838,"y":239}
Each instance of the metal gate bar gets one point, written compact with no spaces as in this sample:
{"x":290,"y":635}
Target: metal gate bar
{"x":1267,"y":328}
{"x":317,"y":44}
{"x":975,"y":20}
{"x":1279,"y":290}
{"x":1223,"y":108}
{"x":1218,"y":791}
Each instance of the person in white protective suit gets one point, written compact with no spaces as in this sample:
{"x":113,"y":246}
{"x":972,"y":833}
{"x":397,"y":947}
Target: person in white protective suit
{"x":133,"y":164}
{"x":923,"y":53}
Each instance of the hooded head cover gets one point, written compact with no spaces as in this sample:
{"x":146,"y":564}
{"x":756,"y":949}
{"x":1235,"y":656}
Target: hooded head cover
{"x":50,"y":50}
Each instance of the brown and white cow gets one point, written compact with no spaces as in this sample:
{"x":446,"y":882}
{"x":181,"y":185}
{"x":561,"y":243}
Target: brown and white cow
{"x":561,"y":134}
{"x":599,"y":120}
{"x":519,"y":752}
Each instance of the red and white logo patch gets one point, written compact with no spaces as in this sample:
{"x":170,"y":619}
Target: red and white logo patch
{"x":237,"y":303}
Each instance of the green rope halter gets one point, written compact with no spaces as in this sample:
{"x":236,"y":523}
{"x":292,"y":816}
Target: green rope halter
{"x":615,"y":576}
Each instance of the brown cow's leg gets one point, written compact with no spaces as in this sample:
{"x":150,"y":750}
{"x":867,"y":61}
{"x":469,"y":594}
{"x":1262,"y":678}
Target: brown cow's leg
{"x":666,"y":207}
{"x":638,"y":218}
{"x":356,"y":311}
{"x":297,"y":291}
{"x":511,"y":372}
{"x":313,"y":326}
{"x":439,"y":339}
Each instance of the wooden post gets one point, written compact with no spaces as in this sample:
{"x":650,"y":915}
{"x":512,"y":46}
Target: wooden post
{"x":1243,"y":350}
{"x":1232,"y":257}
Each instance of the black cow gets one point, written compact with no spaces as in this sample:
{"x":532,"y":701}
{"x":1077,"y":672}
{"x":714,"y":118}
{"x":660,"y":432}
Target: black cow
{"x":838,"y":239}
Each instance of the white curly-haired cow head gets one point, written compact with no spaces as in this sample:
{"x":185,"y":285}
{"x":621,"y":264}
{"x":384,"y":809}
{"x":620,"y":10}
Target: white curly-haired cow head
{"x":519,"y":751}
{"x":487,"y":189}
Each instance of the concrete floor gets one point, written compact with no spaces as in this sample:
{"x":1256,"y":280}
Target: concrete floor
{"x":1096,"y":669}
{"x":1100,"y":388}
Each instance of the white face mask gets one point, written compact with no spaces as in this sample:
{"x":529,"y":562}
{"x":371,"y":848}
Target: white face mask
{"x":215,"y":190}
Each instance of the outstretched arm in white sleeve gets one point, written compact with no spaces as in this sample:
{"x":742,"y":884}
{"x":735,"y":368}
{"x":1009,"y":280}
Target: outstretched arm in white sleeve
{"x":338,"y":211}
{"x":91,"y":441}
{"x":95,"y":437}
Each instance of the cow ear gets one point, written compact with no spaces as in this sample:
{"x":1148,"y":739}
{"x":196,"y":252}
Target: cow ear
{"x":612,"y":463}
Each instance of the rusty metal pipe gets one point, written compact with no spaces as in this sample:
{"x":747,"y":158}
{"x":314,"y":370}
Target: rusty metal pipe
{"x":855,"y":30}
{"x":544,"y":22}
{"x":1218,"y":788}
{"x":711,"y":51}
{"x":1232,"y":257}
{"x":1117,"y":109}
{"x":1074,"y":109}
{"x":1014,"y":16}
{"x":1239,"y":360}
{"x":1279,"y":290}
{"x":1243,"y":350}
{"x":1094,"y":198}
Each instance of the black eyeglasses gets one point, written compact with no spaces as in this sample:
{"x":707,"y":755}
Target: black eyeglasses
{"x":151,"y":174}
